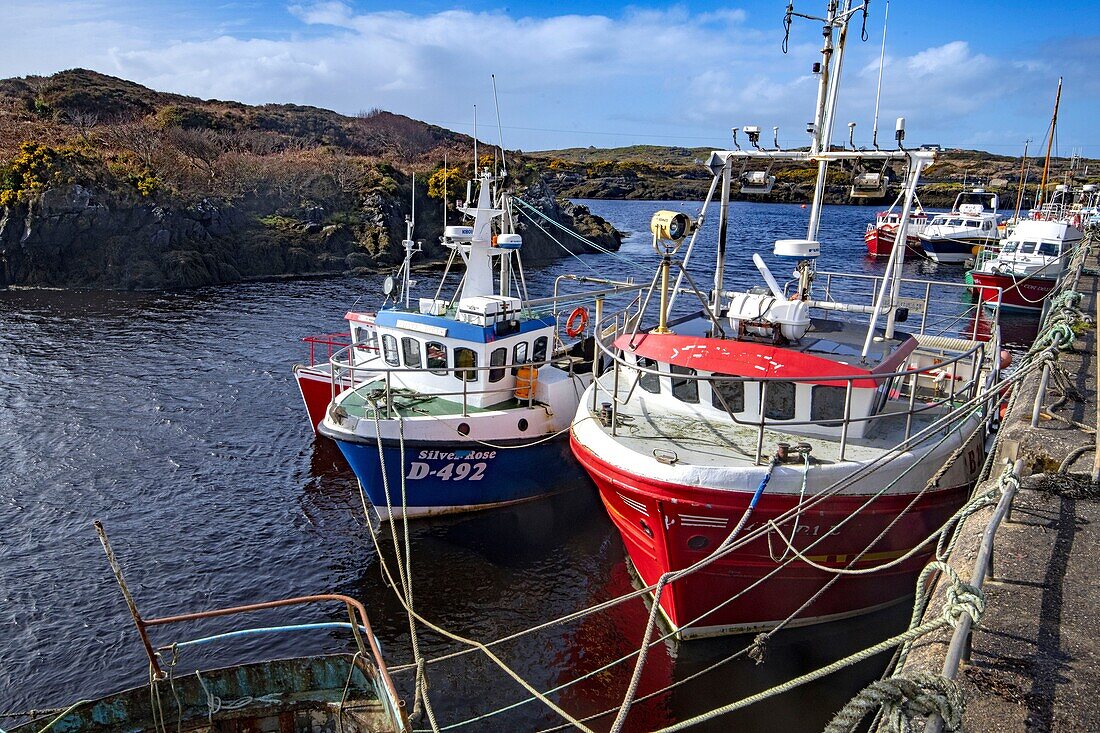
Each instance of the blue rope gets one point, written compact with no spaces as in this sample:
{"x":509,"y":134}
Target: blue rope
{"x":267,"y":630}
{"x":763,"y":484}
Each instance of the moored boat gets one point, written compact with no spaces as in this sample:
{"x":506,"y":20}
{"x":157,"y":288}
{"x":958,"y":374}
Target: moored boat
{"x":1027,"y":266}
{"x":881,"y":235}
{"x":350,"y":692}
{"x":782,"y":455}
{"x":464,"y":395}
{"x":956,"y":237}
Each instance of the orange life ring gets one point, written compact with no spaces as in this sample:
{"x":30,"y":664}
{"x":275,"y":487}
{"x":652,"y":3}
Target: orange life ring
{"x":578,"y":321}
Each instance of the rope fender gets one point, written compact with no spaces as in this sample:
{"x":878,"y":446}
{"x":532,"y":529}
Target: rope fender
{"x":903,"y":700}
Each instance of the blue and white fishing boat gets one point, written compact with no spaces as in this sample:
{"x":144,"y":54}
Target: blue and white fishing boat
{"x":956,"y":237}
{"x":463,"y":403}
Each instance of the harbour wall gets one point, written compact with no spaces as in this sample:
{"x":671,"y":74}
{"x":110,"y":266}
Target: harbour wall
{"x":1032,"y":660}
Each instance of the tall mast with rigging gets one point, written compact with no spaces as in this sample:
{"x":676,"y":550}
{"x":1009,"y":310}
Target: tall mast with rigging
{"x":1050,"y":143}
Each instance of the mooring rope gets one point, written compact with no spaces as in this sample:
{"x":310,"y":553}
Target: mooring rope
{"x":404,"y":569}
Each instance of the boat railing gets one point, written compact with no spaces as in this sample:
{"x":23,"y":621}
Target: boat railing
{"x":348,"y":375}
{"x":954,"y":377}
{"x":333,"y":342}
{"x":374,"y":666}
{"x":944,"y":308}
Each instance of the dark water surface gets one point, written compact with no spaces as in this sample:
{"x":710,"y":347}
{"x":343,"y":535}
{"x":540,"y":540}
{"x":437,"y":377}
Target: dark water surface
{"x":173,"y":417}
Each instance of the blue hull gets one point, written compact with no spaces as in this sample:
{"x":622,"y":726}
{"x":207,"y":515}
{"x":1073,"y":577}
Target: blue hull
{"x":447,"y":478}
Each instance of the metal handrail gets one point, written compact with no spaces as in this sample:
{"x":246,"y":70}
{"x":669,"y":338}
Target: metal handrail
{"x":356,"y":612}
{"x":338,"y":368}
{"x":977,"y":355}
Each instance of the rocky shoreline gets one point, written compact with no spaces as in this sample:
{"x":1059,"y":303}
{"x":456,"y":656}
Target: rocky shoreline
{"x":78,"y":237}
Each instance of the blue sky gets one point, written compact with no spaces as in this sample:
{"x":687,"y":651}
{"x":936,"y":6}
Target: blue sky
{"x":968,"y":74}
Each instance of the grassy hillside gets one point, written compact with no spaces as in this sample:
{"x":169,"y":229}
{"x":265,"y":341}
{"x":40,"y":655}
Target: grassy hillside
{"x":106,"y":183}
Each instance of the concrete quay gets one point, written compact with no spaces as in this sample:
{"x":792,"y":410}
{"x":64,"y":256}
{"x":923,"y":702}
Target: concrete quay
{"x":1034,"y":659}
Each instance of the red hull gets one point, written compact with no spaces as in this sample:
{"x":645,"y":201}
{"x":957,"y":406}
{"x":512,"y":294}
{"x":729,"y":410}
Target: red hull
{"x":1022,"y":294}
{"x":316,"y":389}
{"x":880,"y":243}
{"x":670,"y":527}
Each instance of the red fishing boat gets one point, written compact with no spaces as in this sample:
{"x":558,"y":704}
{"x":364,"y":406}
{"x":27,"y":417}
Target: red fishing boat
{"x":1027,"y":266}
{"x":881,"y":235}
{"x":783,"y":455}
{"x":315,"y":379}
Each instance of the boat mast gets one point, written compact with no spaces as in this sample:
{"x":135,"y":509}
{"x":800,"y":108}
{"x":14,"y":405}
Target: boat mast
{"x":1020,"y":184}
{"x":881,"y":60}
{"x":827,"y":98}
{"x":1050,"y":143}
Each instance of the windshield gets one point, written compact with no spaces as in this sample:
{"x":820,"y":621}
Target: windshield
{"x":1050,"y":249}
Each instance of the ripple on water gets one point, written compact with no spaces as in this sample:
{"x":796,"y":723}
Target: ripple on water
{"x":173,"y":417}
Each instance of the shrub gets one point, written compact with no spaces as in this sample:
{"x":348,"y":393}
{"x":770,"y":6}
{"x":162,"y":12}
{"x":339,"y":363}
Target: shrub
{"x":35,"y":168}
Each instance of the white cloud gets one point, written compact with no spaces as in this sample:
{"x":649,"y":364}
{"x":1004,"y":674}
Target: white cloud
{"x":666,"y":75}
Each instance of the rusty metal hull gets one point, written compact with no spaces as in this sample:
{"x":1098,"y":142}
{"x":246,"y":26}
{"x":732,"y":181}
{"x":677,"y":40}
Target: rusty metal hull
{"x":319,"y":693}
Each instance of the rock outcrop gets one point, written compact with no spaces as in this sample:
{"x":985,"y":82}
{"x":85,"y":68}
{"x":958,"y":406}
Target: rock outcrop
{"x":77,"y":237}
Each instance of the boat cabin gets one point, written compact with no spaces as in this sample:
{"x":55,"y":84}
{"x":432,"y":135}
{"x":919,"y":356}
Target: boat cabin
{"x":696,"y":371}
{"x":1034,"y":247}
{"x":473,"y":348}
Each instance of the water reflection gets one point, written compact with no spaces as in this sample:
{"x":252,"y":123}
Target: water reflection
{"x":173,"y":417}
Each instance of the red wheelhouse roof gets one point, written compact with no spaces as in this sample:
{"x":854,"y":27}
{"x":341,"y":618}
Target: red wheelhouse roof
{"x":758,"y":360}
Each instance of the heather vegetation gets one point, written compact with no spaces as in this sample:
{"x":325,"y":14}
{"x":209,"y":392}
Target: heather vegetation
{"x":149,"y":189}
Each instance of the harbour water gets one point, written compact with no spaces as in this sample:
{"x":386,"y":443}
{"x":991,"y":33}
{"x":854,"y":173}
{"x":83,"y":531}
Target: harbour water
{"x":173,"y":417}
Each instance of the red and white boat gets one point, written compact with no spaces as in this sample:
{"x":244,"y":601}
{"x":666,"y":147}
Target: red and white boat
{"x":1027,"y":266}
{"x":314,"y":378}
{"x":881,"y":235}
{"x":756,"y":452}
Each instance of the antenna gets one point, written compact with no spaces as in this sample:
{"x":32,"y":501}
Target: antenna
{"x":881,"y":59}
{"x":475,"y":142}
{"x":445,"y":174}
{"x":500,"y":130}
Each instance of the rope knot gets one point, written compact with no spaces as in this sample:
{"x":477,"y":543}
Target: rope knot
{"x":1009,"y":479}
{"x":904,"y":699}
{"x":963,"y":598}
{"x":759,"y":648}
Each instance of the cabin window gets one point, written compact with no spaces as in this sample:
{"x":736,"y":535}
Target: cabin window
{"x":365,"y":337}
{"x":497,"y":360}
{"x":1050,"y":249}
{"x":728,"y":396}
{"x":827,"y":404}
{"x":1027,"y":248}
{"x":649,"y":382}
{"x":538,"y":353}
{"x":465,"y":364}
{"x":779,"y":400}
{"x":410,"y":349}
{"x":1009,"y":247}
{"x":685,"y":390}
{"x":437,"y":357}
{"x":519,"y":355}
{"x":389,"y":350}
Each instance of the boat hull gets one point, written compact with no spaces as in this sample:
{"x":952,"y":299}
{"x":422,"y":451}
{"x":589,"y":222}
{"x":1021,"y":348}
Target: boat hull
{"x":455,"y":477}
{"x":949,"y":251}
{"x":1016,"y":293}
{"x":669,"y":527}
{"x":880,"y":243}
{"x":315,"y":386}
